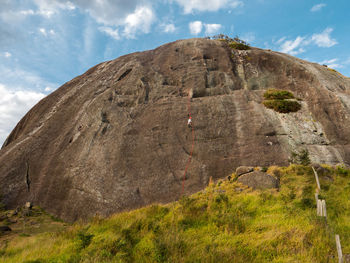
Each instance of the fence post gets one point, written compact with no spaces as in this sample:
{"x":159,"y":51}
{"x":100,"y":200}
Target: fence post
{"x":319,"y":207}
{"x":340,"y":254}
{"x":324,"y":208}
{"x":316,"y":177}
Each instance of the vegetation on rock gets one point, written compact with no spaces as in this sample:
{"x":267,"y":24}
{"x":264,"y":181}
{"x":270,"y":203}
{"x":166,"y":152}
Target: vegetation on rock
{"x":282,"y":106}
{"x":278,"y":100}
{"x":277,"y":94}
{"x":226,"y":222}
{"x":234,"y":43}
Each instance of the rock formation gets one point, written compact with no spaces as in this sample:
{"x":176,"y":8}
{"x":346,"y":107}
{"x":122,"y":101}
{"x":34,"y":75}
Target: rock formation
{"x":258,"y":180}
{"x":116,"y":137}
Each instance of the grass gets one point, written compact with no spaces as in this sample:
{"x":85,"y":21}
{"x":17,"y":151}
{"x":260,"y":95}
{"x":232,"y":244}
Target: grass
{"x":282,"y":106}
{"x":279,"y":101}
{"x":277,"y":94}
{"x":226,"y":222}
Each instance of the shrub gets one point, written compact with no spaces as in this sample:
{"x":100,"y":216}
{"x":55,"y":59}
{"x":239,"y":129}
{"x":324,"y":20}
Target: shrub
{"x":264,"y":169}
{"x":304,"y":157}
{"x":282,"y":106}
{"x":341,"y":170}
{"x":234,"y":43}
{"x":307,"y":203}
{"x":278,"y":100}
{"x":237,"y":45}
{"x":277,"y":94}
{"x":300,"y":158}
{"x":85,"y":239}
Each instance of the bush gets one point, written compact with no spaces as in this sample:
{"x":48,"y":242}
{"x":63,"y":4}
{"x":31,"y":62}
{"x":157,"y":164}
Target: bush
{"x":234,"y":43}
{"x":264,"y":169}
{"x":341,"y":170}
{"x":85,"y":239}
{"x":278,"y":101}
{"x":277,"y":94}
{"x":237,"y":45}
{"x":282,"y":106}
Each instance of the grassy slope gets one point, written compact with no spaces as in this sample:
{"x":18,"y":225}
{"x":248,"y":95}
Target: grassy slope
{"x":226,"y":222}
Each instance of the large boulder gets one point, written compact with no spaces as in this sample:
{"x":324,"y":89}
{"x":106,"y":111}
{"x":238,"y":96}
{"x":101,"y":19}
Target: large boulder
{"x":259,"y":180}
{"x":244,"y":170}
{"x":116,"y":137}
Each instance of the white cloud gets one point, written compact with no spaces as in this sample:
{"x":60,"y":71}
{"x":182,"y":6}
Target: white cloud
{"x":140,"y":20}
{"x":293,"y":47}
{"x":48,"y":89}
{"x":27,"y":12}
{"x":324,"y":39}
{"x":169,"y":28}
{"x":13,"y":106}
{"x":298,"y":45}
{"x":248,"y":37}
{"x":110,"y":31}
{"x":7,"y":54}
{"x":18,"y":79}
{"x":109,"y":12}
{"x":45,"y":32}
{"x":280,"y":40}
{"x":48,"y":8}
{"x":332,"y":63}
{"x":212,"y":28}
{"x":128,"y":17}
{"x":207,"y":5}
{"x":318,"y":7}
{"x":195,"y":27}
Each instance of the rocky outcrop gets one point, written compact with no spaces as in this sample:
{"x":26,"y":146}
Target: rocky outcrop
{"x":116,"y":137}
{"x":243,"y":170}
{"x":258,"y":180}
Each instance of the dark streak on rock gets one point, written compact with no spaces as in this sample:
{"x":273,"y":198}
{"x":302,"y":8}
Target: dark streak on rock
{"x":126,"y":72}
{"x":27,"y":177}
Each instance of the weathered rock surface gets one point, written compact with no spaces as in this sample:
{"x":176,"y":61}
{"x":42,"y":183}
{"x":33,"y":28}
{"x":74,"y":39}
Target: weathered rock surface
{"x":258,"y":180}
{"x":116,"y":138}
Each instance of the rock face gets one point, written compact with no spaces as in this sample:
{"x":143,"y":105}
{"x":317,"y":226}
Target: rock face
{"x":258,"y":180}
{"x":116,"y":137}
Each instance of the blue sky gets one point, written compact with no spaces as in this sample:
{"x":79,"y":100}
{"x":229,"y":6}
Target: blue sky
{"x":45,"y":43}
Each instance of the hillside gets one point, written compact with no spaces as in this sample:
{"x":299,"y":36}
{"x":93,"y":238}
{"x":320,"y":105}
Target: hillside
{"x":116,"y":137}
{"x":226,"y":222}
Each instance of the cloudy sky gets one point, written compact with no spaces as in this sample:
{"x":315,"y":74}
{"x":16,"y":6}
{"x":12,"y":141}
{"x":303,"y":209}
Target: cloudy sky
{"x":45,"y":43}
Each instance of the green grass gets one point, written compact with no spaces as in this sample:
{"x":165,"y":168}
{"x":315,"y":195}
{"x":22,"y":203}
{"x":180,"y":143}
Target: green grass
{"x":226,"y":222}
{"x":277,"y":94}
{"x":282,"y":106}
{"x":279,"y":101}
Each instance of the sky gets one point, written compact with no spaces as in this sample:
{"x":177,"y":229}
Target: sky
{"x":45,"y":43}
